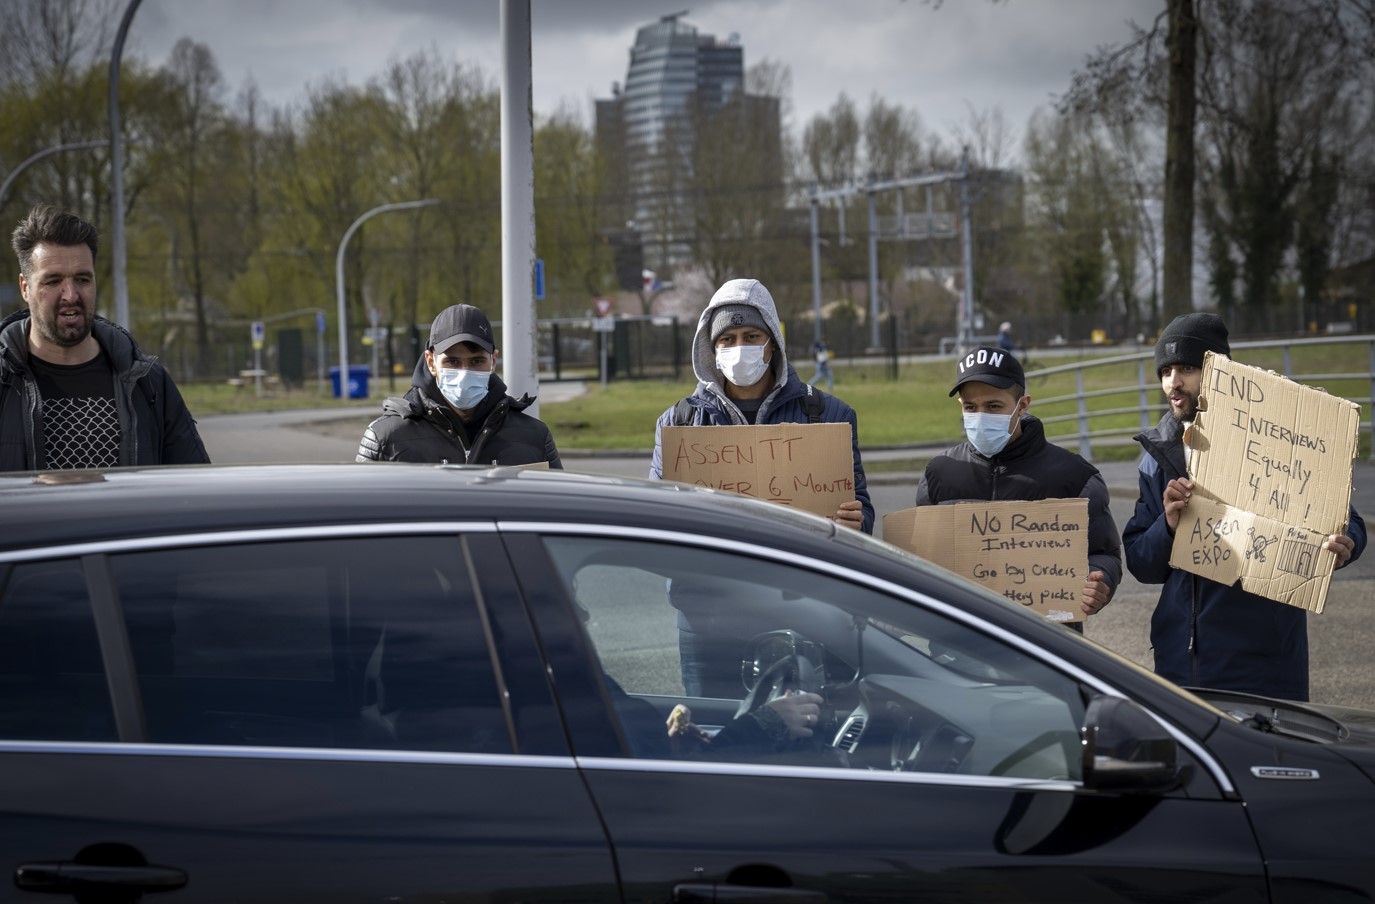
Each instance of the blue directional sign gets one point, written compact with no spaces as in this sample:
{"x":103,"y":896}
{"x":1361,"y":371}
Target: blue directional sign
{"x":539,"y":279}
{"x":320,"y":322}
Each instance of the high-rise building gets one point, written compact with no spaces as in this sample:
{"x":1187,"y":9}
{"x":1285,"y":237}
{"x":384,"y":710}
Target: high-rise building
{"x":679,"y":83}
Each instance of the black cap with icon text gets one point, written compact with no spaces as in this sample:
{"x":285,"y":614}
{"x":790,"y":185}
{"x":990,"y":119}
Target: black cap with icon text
{"x":989,"y":365}
{"x":460,"y":323}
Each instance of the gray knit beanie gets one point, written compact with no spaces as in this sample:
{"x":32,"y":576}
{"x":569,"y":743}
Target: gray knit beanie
{"x":729,"y":316}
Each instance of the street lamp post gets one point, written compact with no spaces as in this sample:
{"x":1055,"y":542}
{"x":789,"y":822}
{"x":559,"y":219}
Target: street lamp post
{"x":14,"y":173}
{"x":339,"y":283}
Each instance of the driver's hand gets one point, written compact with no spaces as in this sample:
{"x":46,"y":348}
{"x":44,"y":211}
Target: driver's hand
{"x":799,"y":710}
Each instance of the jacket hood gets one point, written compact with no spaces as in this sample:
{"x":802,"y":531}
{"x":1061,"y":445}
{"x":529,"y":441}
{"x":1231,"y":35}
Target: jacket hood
{"x":749,"y":292}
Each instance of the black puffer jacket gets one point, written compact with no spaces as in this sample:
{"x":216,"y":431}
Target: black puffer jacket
{"x":155,"y":426}
{"x":420,"y":426}
{"x":1030,"y":468}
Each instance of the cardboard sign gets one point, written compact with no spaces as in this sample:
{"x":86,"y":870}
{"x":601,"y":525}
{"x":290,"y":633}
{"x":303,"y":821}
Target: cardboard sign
{"x":1271,"y":465}
{"x":809,"y":466}
{"x":1033,"y":553}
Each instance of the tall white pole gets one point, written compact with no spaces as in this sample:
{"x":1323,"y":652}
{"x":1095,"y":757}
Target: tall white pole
{"x":966,"y":330}
{"x":518,"y":338}
{"x":873,"y":269}
{"x":117,"y":252}
{"x":339,"y":284}
{"x":816,"y":272}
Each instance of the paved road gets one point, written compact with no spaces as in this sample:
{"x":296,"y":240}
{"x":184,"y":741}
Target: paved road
{"x":1341,"y":667}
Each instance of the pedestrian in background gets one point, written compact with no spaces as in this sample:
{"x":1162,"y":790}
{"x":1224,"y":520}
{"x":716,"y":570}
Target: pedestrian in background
{"x":1005,"y":342}
{"x":821,"y":352}
{"x":457,"y":409}
{"x":1203,"y":633}
{"x":75,"y":389}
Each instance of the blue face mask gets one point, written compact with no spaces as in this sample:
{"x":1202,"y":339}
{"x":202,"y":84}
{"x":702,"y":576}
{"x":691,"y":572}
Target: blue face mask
{"x":989,"y":434}
{"x":463,"y":388}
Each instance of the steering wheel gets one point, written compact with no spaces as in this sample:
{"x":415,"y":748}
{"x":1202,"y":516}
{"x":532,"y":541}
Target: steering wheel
{"x":773,"y":683}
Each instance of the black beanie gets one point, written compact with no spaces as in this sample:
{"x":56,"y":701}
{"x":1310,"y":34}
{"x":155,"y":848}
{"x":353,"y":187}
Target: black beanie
{"x":1186,"y":339}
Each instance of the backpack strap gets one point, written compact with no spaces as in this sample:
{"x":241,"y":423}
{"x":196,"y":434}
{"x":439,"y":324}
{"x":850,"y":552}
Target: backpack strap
{"x":682,"y":413}
{"x":813,"y":403}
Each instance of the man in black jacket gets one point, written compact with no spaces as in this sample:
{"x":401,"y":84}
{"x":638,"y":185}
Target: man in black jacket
{"x":75,"y":389}
{"x":457,"y":409}
{"x":1006,"y":456}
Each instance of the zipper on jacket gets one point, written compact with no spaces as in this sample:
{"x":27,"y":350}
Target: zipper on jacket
{"x":1193,"y":630}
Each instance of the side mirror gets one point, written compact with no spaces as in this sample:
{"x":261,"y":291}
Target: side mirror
{"x":1127,"y":750}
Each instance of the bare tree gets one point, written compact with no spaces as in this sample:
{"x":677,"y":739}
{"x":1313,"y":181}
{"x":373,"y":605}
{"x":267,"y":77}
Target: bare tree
{"x":53,"y":39}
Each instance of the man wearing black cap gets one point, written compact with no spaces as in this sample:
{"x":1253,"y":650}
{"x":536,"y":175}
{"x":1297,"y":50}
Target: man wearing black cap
{"x":743,"y":378}
{"x":1005,"y":456}
{"x":457,"y":409}
{"x":1207,"y":634}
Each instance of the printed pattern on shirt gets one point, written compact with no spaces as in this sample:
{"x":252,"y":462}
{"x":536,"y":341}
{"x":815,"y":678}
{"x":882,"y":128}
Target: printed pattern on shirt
{"x":81,"y":433}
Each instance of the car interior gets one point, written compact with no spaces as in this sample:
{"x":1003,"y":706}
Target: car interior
{"x":905,"y":689}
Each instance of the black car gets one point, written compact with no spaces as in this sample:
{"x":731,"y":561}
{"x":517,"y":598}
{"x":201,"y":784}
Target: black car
{"x":404,"y":683}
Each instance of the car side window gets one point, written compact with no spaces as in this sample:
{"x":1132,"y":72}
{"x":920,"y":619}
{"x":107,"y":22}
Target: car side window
{"x":52,"y":678}
{"x":903,"y":688}
{"x":352,"y":643}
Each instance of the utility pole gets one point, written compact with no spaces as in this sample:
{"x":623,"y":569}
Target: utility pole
{"x":872,"y":188}
{"x":966,"y":331}
{"x":117,"y":253}
{"x":518,"y":338}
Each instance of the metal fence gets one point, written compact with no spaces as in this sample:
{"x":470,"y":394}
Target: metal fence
{"x":1089,"y":424}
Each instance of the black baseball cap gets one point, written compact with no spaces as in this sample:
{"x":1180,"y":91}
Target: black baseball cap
{"x":460,"y":323}
{"x":989,"y":365}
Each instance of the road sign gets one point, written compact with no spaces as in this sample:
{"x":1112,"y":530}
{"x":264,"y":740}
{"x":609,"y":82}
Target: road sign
{"x":259,"y":330}
{"x":604,"y":324}
{"x":539,"y":279}
{"x":603,"y":306}
{"x":320,"y":322}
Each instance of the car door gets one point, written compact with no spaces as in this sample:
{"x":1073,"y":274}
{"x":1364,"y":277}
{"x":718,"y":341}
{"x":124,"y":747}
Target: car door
{"x":359,"y":715}
{"x":946,"y":767}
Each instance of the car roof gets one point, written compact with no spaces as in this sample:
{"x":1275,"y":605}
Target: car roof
{"x":66,"y":507}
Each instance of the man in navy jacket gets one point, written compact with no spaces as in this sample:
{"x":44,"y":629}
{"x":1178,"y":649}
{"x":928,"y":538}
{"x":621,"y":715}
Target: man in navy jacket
{"x":1207,"y":634}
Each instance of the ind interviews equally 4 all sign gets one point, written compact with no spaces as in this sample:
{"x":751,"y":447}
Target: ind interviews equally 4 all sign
{"x":1271,"y":465}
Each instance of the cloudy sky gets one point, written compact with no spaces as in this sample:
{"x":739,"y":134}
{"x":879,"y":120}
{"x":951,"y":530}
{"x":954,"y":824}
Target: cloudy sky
{"x":937,"y":59}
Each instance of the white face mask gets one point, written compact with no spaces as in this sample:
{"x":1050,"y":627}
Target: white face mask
{"x":988,"y":433}
{"x":463,"y":388}
{"x":743,"y":365}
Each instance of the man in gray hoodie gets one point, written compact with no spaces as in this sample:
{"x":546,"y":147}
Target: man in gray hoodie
{"x":743,"y":378}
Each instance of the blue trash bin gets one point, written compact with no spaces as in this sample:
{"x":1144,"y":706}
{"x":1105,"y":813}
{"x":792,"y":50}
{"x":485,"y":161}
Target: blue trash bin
{"x":358,"y":380}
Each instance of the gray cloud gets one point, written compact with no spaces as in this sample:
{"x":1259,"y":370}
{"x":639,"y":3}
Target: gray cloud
{"x":936,"y":61}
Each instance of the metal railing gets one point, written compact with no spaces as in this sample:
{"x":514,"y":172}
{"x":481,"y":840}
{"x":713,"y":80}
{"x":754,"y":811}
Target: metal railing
{"x":1150,"y":400}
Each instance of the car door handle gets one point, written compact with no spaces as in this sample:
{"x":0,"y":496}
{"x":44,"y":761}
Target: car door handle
{"x":66,"y":876}
{"x":712,"y":893}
